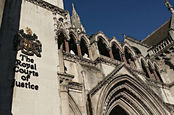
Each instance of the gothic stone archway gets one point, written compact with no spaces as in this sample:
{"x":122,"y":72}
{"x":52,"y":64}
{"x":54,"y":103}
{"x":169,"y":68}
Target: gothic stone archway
{"x":131,"y":95}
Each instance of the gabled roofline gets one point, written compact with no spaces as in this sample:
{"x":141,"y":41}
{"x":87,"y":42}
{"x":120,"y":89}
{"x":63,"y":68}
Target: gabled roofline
{"x":156,"y":30}
{"x":136,"y":41}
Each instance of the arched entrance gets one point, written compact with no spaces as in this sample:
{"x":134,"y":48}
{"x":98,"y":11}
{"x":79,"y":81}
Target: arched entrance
{"x":118,"y":111}
{"x":125,"y":95}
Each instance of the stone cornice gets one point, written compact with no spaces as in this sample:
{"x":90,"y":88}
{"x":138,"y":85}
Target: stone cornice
{"x":135,"y":70}
{"x":107,"y":60}
{"x":65,"y":76}
{"x":75,"y":58}
{"x":137,"y":42}
{"x":101,"y":59}
{"x":49,"y":7}
{"x":75,"y":86}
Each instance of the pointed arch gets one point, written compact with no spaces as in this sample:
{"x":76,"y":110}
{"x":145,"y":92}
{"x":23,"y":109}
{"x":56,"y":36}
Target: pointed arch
{"x":115,"y":41}
{"x":125,"y":90}
{"x":103,"y":46}
{"x":85,"y":37}
{"x":72,"y":44}
{"x":129,"y":55}
{"x":84,"y":47}
{"x":127,"y":46}
{"x":116,"y":51}
{"x":144,"y":67}
{"x":119,"y":109}
{"x":61,"y":42}
{"x":63,"y":31}
{"x":74,"y":34}
{"x":101,"y":35}
{"x":136,"y":50}
{"x":84,"y":44}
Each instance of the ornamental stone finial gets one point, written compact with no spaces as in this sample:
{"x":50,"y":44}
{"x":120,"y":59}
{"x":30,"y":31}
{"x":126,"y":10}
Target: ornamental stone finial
{"x":169,"y":6}
{"x":75,"y":20}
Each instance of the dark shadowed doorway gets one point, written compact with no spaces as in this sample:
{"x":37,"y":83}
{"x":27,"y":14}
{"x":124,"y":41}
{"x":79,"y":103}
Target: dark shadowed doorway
{"x":118,"y":111}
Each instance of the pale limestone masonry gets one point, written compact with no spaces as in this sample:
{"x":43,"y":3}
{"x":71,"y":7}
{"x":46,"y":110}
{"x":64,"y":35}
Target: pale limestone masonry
{"x":93,"y":75}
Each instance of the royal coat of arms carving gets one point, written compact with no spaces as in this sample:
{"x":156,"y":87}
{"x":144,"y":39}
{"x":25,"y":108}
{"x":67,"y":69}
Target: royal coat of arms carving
{"x":29,"y":43}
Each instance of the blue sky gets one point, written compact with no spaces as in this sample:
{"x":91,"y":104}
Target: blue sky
{"x":136,"y":18}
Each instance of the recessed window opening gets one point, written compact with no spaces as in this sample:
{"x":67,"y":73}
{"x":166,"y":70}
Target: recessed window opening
{"x":136,"y":50}
{"x":102,"y":48}
{"x":84,"y":48}
{"x":72,"y":45}
{"x":61,"y":43}
{"x":129,"y":57}
{"x":116,"y":52}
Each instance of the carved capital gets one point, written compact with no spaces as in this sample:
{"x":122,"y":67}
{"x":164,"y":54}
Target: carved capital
{"x":65,"y":78}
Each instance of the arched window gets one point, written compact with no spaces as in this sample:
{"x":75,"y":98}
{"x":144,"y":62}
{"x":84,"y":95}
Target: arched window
{"x":102,"y":47}
{"x":143,"y":65}
{"x":84,"y":48}
{"x":116,"y":52}
{"x":61,"y":43}
{"x":72,"y":45}
{"x":136,"y":50}
{"x":157,"y":72}
{"x":129,"y":57}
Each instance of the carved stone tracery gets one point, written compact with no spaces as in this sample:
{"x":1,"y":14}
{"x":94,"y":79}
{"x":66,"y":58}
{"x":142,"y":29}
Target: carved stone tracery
{"x":49,"y":7}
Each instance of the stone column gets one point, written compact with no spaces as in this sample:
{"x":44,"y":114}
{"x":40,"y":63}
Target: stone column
{"x":155,"y":74}
{"x":148,"y":72}
{"x":64,"y":99}
{"x":137,"y":64}
{"x":64,"y":81}
{"x":66,"y":46}
{"x":110,"y":53}
{"x":79,"y":49}
{"x":124,"y":59}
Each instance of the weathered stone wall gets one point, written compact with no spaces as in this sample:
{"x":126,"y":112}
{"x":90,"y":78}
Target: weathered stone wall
{"x":44,"y":100}
{"x":66,"y":80}
{"x":58,"y":3}
{"x":142,"y":48}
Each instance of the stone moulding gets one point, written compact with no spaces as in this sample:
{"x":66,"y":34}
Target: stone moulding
{"x":136,"y":41}
{"x":107,"y":60}
{"x":101,"y":59}
{"x":74,"y":58}
{"x":111,"y":77}
{"x":49,"y":7}
{"x":75,"y":86}
{"x":65,"y":76}
{"x":106,"y":80}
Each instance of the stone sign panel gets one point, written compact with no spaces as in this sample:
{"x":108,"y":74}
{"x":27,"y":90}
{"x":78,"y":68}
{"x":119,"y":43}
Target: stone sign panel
{"x":26,"y":67}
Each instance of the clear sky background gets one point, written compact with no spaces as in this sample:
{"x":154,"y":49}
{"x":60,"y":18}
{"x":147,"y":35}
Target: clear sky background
{"x":135,"y":18}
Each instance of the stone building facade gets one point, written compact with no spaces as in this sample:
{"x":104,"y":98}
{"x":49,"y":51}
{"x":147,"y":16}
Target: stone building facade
{"x":50,"y":66}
